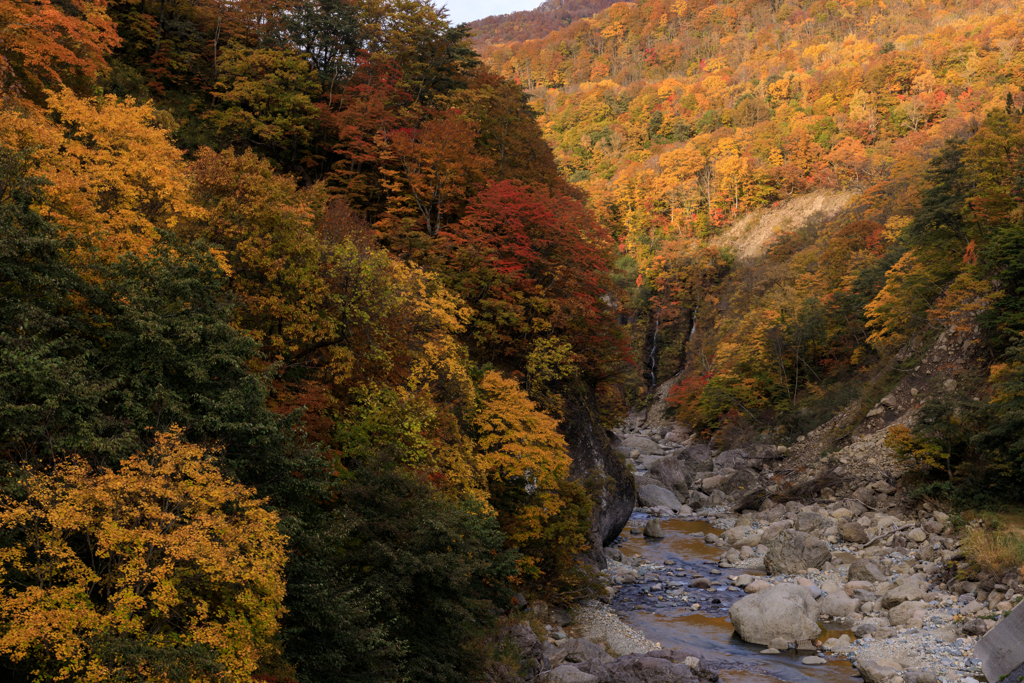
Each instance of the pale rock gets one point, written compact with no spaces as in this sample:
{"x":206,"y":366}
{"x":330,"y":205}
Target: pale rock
{"x":783,"y":611}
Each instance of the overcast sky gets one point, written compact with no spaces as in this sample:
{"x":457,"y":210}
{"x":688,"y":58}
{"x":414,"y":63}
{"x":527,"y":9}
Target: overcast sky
{"x":460,"y":11}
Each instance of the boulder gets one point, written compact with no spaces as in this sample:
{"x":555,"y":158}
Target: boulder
{"x":838,"y":604}
{"x":697,"y":500}
{"x":659,"y":666}
{"x":975,"y":627}
{"x":795,"y":551}
{"x":1001,"y":650}
{"x":851,"y":532}
{"x":743,"y":481}
{"x":901,"y":614}
{"x":673,"y":475}
{"x":907,"y":592}
{"x":651,"y":496}
{"x":916,"y":676}
{"x":643,"y":444}
{"x":917,"y":535}
{"x":737,"y":533}
{"x":809,"y":520}
{"x":567,"y":673}
{"x":734,"y":458}
{"x":576,"y":650}
{"x":709,"y":484}
{"x":699,"y":455}
{"x":877,"y":671}
{"x":785,"y":611}
{"x":528,"y":646}
{"x":756,"y":586}
{"x":774,"y":529}
{"x":653,"y":529}
{"x":863,"y":569}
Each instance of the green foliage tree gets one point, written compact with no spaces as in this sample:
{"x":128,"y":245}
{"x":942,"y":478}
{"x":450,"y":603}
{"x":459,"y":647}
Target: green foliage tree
{"x":399,"y":577}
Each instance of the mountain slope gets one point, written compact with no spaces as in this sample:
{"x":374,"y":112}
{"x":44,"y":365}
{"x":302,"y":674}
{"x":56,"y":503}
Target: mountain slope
{"x":682,"y":120}
{"x":535,"y":23}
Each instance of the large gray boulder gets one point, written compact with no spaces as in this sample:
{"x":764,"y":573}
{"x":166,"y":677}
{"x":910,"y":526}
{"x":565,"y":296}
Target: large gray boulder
{"x":651,"y":495}
{"x":851,"y":532}
{"x":525,"y":642}
{"x":673,"y":475}
{"x":653,"y":529}
{"x":743,"y":481}
{"x":785,"y":611}
{"x":792,"y":552}
{"x":1001,"y":650}
{"x":700,"y":456}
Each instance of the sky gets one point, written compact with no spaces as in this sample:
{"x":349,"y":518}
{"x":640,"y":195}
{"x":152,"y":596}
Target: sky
{"x":460,"y":11}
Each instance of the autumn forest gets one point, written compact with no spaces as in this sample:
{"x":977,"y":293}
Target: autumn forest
{"x":304,"y":303}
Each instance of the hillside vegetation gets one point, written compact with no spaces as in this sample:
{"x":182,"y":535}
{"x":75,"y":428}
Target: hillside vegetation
{"x":293,"y":302}
{"x":679,"y":119}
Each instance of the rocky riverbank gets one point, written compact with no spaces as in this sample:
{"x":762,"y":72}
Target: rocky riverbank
{"x":893,"y":578}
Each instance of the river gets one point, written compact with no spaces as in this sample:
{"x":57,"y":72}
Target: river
{"x":671,"y":621}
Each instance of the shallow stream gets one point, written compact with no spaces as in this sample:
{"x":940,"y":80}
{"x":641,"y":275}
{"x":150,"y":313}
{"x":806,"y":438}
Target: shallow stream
{"x":671,"y":621}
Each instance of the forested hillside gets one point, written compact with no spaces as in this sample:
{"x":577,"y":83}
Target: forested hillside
{"x":536,"y":23}
{"x":678,"y":119}
{"x":293,"y":304}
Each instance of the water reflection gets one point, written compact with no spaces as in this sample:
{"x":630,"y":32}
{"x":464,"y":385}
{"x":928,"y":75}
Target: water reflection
{"x":683,"y":541}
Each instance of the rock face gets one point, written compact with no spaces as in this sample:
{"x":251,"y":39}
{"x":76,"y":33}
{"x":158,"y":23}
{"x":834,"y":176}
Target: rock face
{"x":593,"y":459}
{"x":1001,"y":650}
{"x":652,"y":496}
{"x":792,"y":552}
{"x":526,"y":643}
{"x":785,"y":611}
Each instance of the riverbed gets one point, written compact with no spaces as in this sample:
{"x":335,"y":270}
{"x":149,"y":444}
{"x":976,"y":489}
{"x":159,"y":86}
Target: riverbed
{"x":668,"y":616}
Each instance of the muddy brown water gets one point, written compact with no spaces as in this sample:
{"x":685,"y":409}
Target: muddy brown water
{"x":672,"y":623}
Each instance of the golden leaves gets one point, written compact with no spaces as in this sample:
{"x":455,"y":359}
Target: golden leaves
{"x":164,"y":550}
{"x":114,"y":175}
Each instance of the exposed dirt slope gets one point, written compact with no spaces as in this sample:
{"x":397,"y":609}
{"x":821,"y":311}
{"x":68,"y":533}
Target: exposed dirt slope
{"x":749,"y":235}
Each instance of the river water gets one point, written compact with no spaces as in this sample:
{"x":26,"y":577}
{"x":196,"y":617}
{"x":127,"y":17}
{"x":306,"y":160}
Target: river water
{"x":672,"y":622}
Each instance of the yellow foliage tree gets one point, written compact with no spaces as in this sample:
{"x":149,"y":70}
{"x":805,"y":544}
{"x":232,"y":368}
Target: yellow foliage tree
{"x":125,"y":575}
{"x":519,"y":447}
{"x":114,"y":175}
{"x":902,"y":304}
